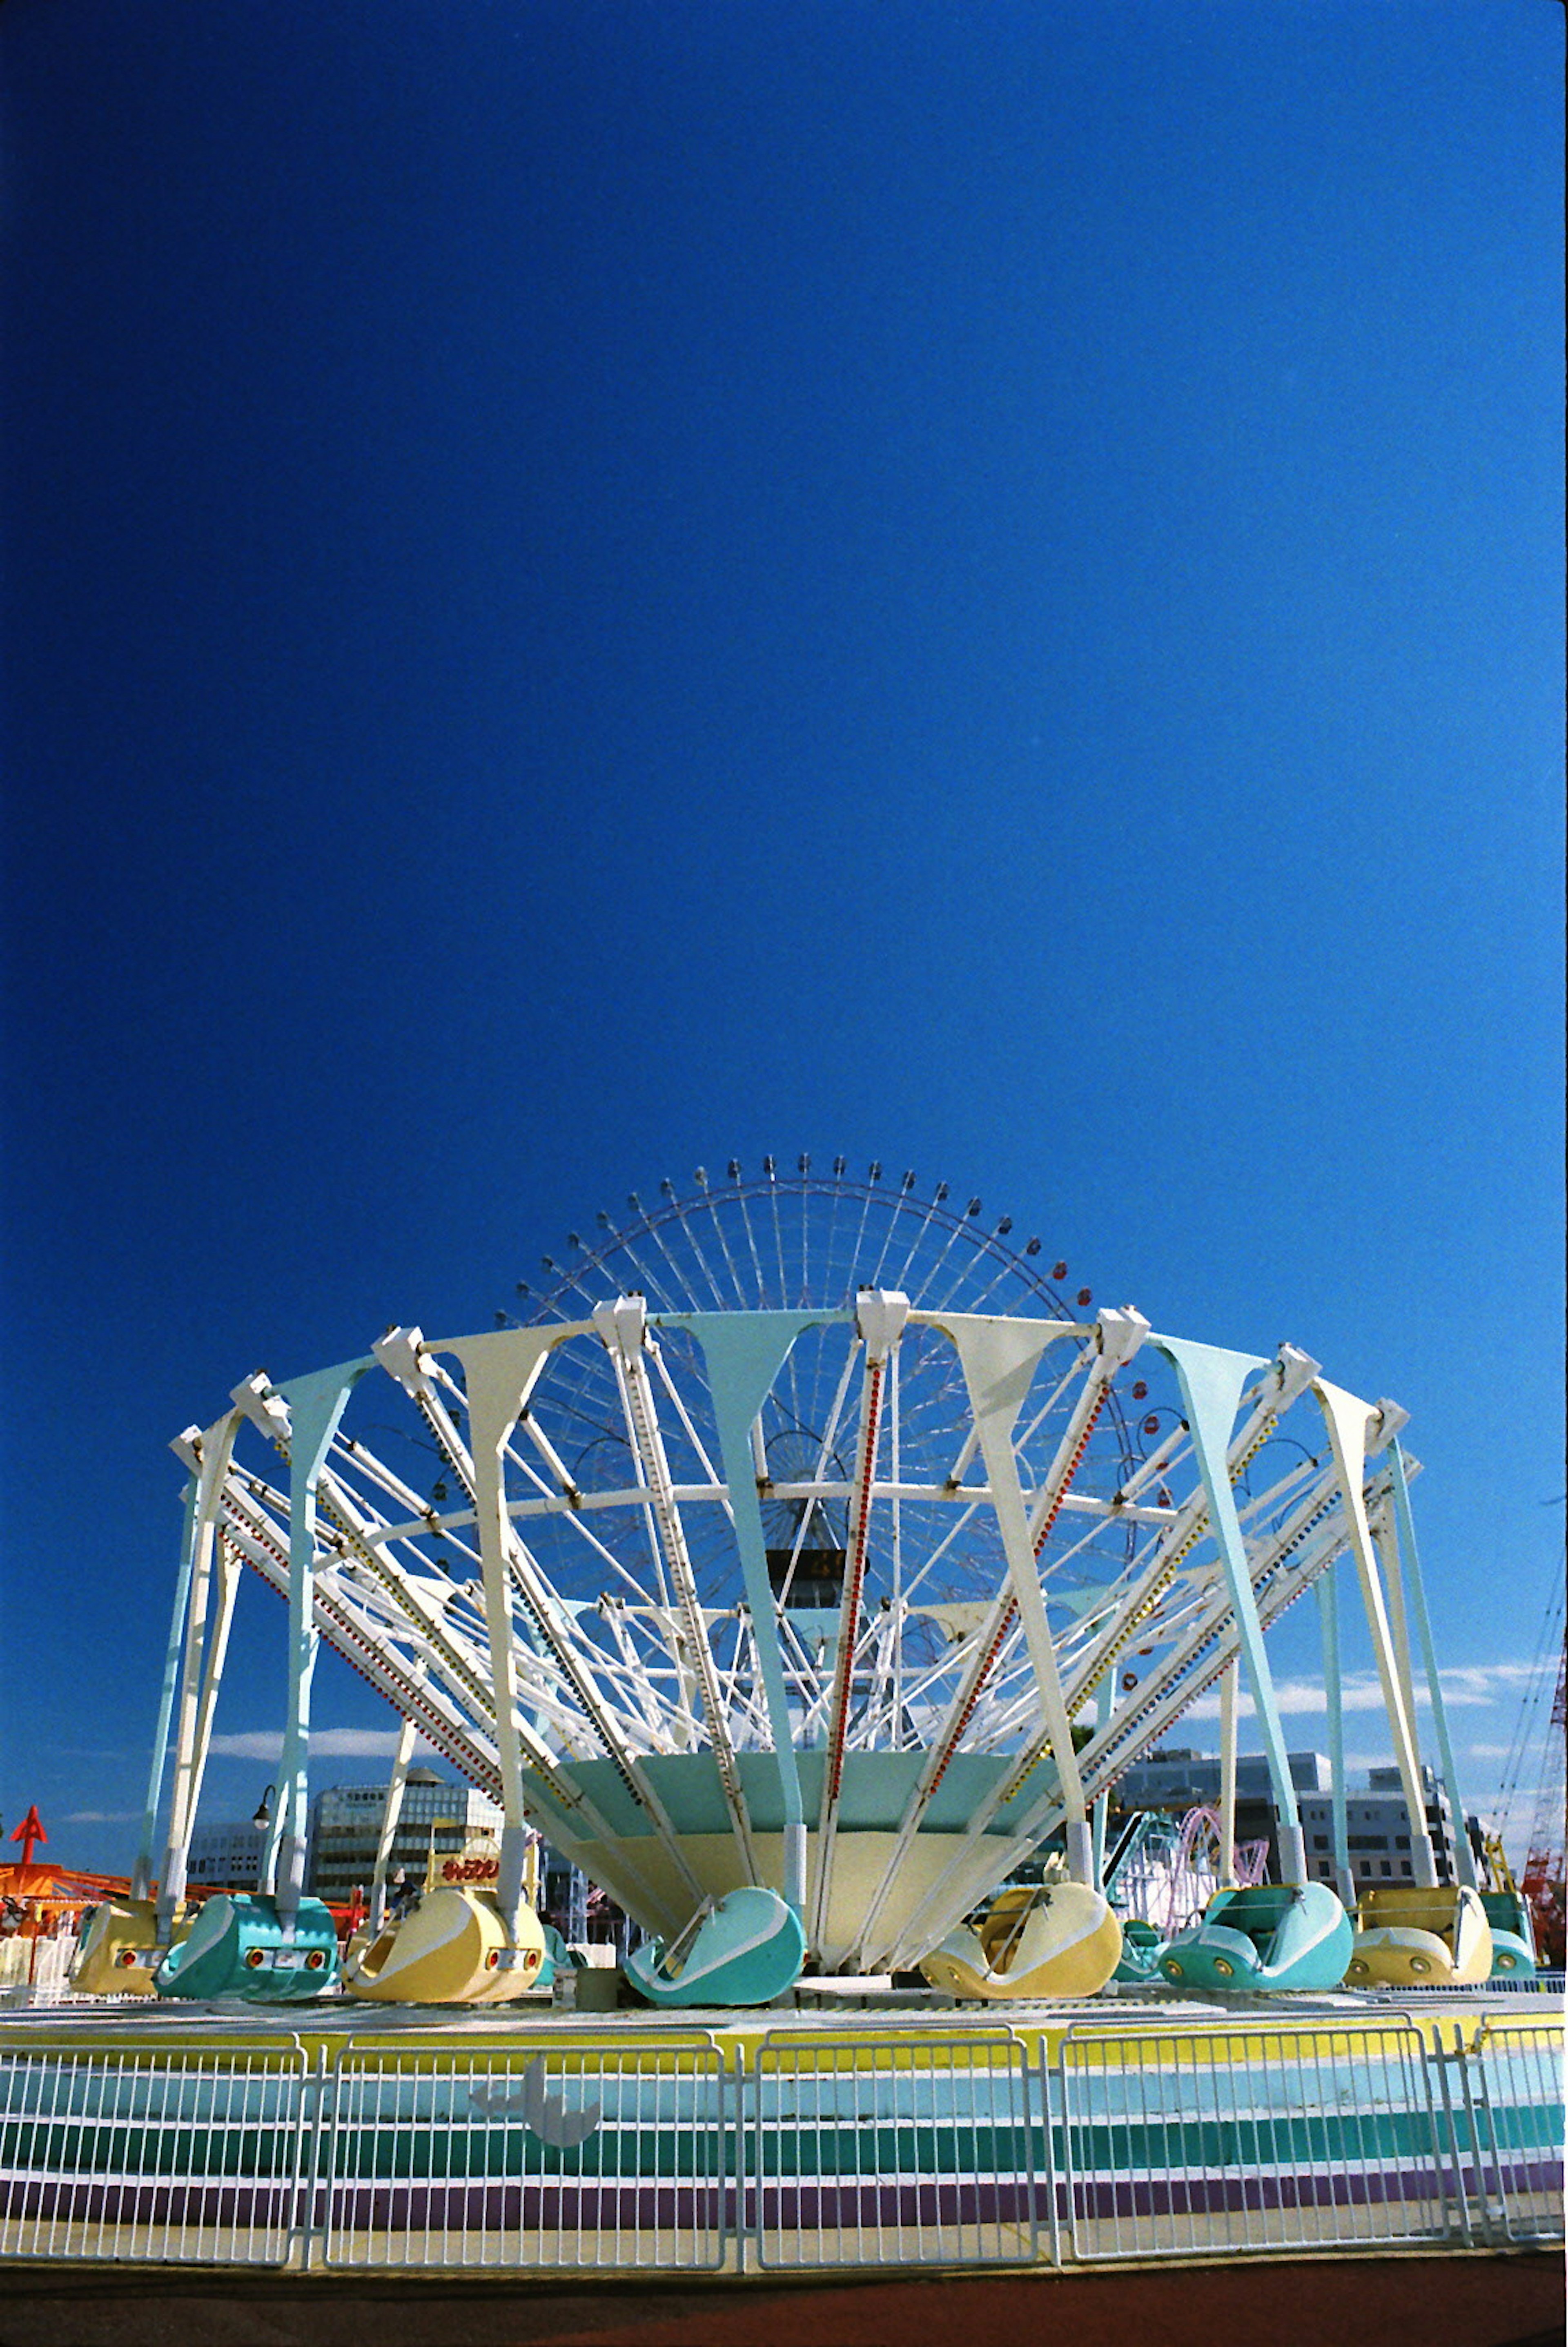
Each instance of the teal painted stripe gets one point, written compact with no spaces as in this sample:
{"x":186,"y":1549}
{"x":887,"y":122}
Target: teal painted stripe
{"x":364,"y":2152}
{"x":28,"y":2148}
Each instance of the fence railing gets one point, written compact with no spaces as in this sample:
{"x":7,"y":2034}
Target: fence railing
{"x":152,"y":2155}
{"x":891,"y":2152}
{"x":1180,"y":2142}
{"x":620,"y":2152}
{"x":1514,"y":2082}
{"x":612,"y":2152}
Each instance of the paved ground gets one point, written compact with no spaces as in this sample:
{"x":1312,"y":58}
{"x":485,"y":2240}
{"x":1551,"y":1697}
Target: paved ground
{"x":1365,"y":2302}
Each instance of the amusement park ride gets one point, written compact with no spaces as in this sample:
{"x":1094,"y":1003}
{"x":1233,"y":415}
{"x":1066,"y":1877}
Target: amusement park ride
{"x":803,"y":1559}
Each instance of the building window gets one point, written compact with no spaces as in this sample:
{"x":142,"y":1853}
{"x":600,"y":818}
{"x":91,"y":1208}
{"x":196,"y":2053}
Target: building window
{"x":1320,"y":1841}
{"x":1387,"y":1866}
{"x":1404,"y":1866}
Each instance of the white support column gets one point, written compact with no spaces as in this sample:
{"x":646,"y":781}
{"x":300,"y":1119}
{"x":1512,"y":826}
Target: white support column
{"x":743,"y":1353}
{"x":226,"y":1581}
{"x":879,"y":1315}
{"x":1464,"y":1857}
{"x":1329,"y":1618}
{"x":623,"y":1327}
{"x":1000,"y":1359}
{"x":391,"y":1811}
{"x":1347,"y":1420}
{"x":1229,"y":1691}
{"x":211,"y":1452}
{"x":501,"y":1372}
{"x":1104,"y":1698}
{"x":303,"y":1417}
{"x":1211,"y":1379}
{"x":141,"y":1872}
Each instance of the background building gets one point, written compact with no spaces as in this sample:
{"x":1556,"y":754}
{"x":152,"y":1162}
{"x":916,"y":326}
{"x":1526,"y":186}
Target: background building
{"x":1378,"y":1820}
{"x":227,"y":1856}
{"x":1377,"y":1829}
{"x":1178,"y":1779}
{"x":439,"y":1815}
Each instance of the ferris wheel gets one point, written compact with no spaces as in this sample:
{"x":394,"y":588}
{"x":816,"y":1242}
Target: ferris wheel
{"x":796,"y":1530}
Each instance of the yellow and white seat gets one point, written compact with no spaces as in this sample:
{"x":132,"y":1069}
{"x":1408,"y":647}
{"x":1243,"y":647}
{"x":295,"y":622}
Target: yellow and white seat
{"x":455,"y":1948}
{"x":1420,"y":1936}
{"x":1062,"y":1941}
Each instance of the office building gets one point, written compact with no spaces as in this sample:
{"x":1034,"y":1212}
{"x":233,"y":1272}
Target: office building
{"x":1377,"y":1820}
{"x":227,"y":1856}
{"x":438,"y":1817}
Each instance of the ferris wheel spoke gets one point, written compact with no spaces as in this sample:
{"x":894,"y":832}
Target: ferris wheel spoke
{"x":736,"y":1294}
{"x":653,"y":1286}
{"x":882,"y":1276}
{"x":686,"y":1225}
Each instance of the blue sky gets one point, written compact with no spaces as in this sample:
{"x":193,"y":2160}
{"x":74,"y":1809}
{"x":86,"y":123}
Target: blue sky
{"x":591,"y":588}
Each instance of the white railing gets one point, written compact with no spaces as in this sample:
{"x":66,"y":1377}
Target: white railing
{"x":152,"y":2155}
{"x":613,"y":2152}
{"x":911,"y":2150}
{"x":1178,"y":2142}
{"x":617,"y":2150}
{"x":1513,"y":2078}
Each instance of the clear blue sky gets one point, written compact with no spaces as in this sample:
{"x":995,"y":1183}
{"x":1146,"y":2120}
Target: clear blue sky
{"x":594,"y":588}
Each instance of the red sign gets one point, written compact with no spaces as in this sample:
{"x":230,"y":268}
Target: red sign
{"x":471,"y":1870}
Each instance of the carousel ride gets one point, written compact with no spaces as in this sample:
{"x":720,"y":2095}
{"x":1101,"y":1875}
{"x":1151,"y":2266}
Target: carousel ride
{"x":795,"y":1560}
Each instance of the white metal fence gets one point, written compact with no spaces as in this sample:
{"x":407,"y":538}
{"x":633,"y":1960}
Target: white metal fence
{"x":152,"y":2156}
{"x":1513,"y":2078}
{"x":893,"y":2152}
{"x":1180,"y":2142}
{"x":612,"y":2153}
{"x":619,"y":2151}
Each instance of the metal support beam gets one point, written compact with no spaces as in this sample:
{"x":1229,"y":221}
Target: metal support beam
{"x":1328,"y":1618}
{"x":1347,"y":1420}
{"x":1211,"y":1380}
{"x":1464,"y":1857}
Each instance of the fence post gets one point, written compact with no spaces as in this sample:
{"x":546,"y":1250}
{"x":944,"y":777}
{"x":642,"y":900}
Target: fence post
{"x":1043,"y":2068}
{"x":305,"y":2233}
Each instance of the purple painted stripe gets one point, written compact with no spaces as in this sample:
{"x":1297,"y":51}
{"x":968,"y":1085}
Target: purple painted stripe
{"x":1181,"y":2196}
{"x":81,"y":2200}
{"x":784,"y":2206}
{"x":570,"y":2206}
{"x":777,"y":2205}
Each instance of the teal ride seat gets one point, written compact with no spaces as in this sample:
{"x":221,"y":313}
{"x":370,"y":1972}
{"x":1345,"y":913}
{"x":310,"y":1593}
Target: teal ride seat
{"x":745,"y":1948}
{"x":1264,"y":1935}
{"x":558,"y":1958}
{"x":1142,"y":1947}
{"x":239,"y":1946}
{"x":1512,"y":1935}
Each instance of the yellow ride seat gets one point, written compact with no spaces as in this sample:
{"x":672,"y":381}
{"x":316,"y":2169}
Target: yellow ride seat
{"x":1065,"y":1941}
{"x":120,"y":1952}
{"x":454,"y":1949}
{"x":1415,"y":1935}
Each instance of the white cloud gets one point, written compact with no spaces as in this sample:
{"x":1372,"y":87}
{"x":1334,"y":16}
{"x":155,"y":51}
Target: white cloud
{"x":100,"y":1817}
{"x":1466,"y":1688}
{"x":264,"y":1745}
{"x":326,"y":1744}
